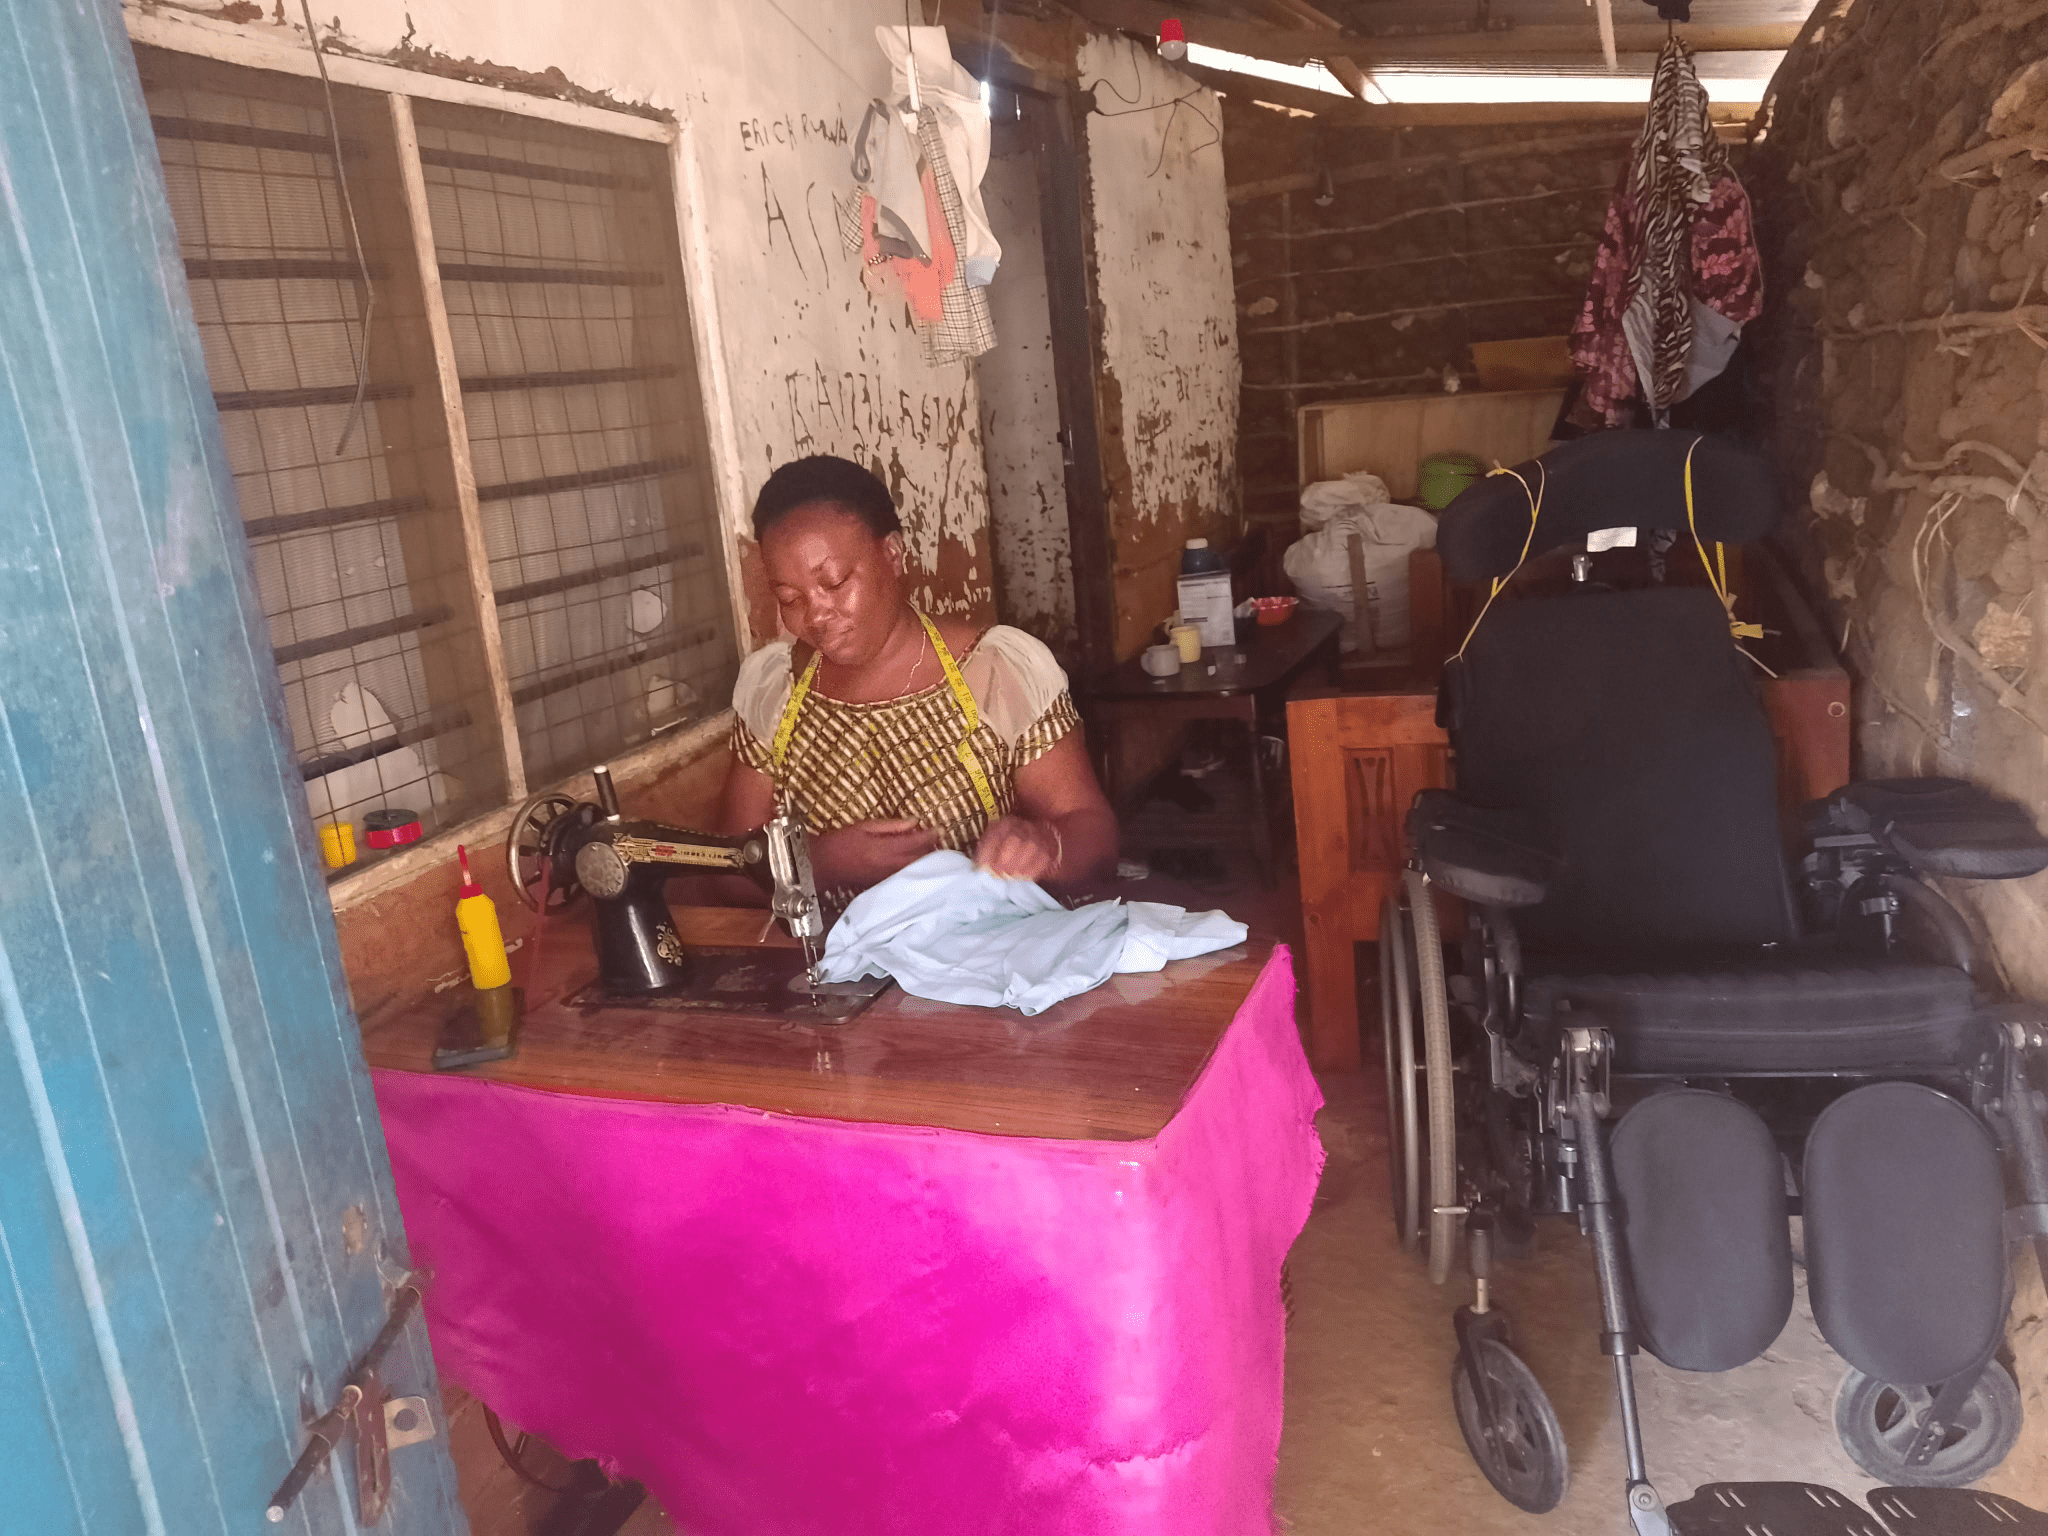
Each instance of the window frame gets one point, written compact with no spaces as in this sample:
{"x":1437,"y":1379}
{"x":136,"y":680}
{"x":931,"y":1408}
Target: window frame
{"x":227,"y":43}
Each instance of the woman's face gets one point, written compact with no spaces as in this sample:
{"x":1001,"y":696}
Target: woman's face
{"x":839,"y":588}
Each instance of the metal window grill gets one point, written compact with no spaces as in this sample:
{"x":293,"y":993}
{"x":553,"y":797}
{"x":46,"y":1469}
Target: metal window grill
{"x":563,"y":289}
{"x":559,"y":269}
{"x":342,"y":537}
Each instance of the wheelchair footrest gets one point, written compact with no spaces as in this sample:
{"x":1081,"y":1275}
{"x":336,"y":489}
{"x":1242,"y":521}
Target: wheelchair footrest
{"x":1905,"y":1245}
{"x":1702,"y":1194}
{"x":1783,"y":1509}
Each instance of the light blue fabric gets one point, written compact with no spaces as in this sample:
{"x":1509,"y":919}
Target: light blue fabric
{"x":956,"y":934}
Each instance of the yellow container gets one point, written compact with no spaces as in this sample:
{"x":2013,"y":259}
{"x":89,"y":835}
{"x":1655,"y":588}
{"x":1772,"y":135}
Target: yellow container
{"x":338,"y":845}
{"x":1187,"y":639}
{"x":482,"y":940}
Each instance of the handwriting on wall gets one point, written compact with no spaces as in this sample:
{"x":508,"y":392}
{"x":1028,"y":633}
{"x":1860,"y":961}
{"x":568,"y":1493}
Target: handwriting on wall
{"x":789,"y":132}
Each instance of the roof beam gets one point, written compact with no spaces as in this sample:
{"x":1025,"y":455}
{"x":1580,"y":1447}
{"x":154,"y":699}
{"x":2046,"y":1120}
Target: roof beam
{"x":1297,"y":45}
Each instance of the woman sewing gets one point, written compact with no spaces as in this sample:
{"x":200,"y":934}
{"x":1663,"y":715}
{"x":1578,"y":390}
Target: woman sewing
{"x":889,"y":731}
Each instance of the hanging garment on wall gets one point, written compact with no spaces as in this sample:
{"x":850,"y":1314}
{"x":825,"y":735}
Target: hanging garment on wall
{"x":1678,"y":243}
{"x":956,"y":934}
{"x":885,"y":165}
{"x":954,"y":97}
{"x":965,"y":328}
{"x":920,"y":281}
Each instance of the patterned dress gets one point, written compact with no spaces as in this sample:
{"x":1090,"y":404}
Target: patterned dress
{"x":1678,"y":242}
{"x":900,"y":759}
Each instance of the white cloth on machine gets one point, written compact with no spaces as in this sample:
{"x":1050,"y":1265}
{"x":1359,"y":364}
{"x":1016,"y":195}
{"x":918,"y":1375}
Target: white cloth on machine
{"x":955,"y":99}
{"x":956,"y":934}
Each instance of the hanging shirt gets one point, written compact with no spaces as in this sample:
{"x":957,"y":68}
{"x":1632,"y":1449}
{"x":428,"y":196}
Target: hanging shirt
{"x":956,"y":934}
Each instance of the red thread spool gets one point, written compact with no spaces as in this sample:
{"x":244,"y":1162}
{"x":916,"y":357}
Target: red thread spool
{"x":391,"y":829}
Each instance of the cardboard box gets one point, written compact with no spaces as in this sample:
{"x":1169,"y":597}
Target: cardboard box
{"x":1205,"y":603}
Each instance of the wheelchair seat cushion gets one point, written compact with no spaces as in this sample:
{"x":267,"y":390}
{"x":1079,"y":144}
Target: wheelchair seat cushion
{"x":1796,"y":1015}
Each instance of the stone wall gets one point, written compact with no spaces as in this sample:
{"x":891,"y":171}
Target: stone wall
{"x":1907,"y":344}
{"x":1420,"y":242}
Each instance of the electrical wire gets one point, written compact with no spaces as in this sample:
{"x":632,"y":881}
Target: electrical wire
{"x":511,"y":1455}
{"x":1170,"y":108}
{"x":368,"y":296}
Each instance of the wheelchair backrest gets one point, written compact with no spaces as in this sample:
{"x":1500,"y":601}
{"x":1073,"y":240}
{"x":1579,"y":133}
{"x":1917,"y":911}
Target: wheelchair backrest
{"x":1631,"y":477}
{"x":1629,"y":724}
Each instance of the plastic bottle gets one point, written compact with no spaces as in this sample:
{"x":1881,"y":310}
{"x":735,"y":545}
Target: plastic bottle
{"x":482,"y":940}
{"x":1198,"y":559}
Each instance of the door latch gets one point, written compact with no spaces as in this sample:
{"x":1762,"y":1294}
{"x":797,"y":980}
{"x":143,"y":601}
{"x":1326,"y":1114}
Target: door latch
{"x":381,"y":1424}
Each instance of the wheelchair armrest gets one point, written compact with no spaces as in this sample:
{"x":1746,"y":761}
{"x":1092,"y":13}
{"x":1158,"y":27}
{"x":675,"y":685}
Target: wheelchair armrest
{"x":1494,"y":857}
{"x":1936,"y":826}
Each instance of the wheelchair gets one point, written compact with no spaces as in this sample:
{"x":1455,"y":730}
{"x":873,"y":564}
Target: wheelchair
{"x":1607,"y":994}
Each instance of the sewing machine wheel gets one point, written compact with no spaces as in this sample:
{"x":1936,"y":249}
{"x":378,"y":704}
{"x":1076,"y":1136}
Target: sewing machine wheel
{"x":526,"y":851}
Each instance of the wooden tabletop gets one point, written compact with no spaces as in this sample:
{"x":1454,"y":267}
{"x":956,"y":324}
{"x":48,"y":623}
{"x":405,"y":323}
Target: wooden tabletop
{"x":1272,"y":654}
{"x":1113,"y":1064}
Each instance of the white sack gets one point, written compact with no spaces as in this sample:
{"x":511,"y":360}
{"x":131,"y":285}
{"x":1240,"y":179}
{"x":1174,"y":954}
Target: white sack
{"x":1319,"y":564}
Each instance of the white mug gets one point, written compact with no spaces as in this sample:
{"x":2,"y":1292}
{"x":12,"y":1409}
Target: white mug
{"x":1161,"y":660}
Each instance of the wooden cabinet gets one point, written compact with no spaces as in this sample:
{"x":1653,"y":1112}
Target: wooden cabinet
{"x":1359,"y":757}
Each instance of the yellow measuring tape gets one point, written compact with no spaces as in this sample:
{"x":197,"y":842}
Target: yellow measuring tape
{"x":962,"y":695}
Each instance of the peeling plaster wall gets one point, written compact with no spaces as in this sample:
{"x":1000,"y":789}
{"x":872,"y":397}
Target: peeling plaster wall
{"x":1167,"y":346}
{"x":1020,"y":419}
{"x":811,"y":362}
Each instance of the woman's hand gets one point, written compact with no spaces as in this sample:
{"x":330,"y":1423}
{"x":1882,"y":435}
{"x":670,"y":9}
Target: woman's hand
{"x":1017,"y":848}
{"x":868,"y":851}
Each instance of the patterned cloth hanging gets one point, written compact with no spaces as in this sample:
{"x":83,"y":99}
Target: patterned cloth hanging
{"x":1677,"y":274}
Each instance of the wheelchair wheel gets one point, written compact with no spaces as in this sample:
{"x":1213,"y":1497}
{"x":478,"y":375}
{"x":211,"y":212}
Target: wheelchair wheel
{"x":1876,"y":1422}
{"x":1397,"y":1047}
{"x":1520,"y":1447}
{"x":1416,"y":1026}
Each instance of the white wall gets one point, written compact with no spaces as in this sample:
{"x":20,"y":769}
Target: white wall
{"x":1020,"y":420}
{"x":811,"y":363}
{"x":1163,"y":283}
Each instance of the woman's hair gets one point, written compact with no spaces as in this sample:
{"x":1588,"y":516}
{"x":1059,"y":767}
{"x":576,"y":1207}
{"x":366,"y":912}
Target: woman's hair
{"x":823,"y":477}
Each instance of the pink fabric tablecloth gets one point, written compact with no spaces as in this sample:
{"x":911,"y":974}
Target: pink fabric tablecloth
{"x":788,"y":1326}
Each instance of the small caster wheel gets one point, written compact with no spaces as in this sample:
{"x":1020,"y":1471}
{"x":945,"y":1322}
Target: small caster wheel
{"x":1520,"y":1447}
{"x":1877,"y":1422}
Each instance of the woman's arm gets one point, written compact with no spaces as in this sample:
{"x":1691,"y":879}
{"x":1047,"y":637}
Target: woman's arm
{"x":1062,"y":832}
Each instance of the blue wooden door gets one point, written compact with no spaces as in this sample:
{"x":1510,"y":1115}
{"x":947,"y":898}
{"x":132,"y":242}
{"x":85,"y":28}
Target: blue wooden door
{"x":197,"y":1225}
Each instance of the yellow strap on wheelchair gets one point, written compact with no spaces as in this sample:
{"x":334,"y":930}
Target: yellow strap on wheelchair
{"x":1717,"y":579}
{"x":785,"y":728}
{"x":968,"y":711}
{"x":1535,"y":511}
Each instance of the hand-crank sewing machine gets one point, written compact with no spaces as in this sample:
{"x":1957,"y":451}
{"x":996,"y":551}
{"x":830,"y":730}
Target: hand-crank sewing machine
{"x":560,"y":848}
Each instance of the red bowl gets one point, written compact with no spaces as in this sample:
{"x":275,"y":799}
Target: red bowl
{"x":1274,"y":610}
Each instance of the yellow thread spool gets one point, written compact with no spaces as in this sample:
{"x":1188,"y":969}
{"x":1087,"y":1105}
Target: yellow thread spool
{"x":338,"y":845}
